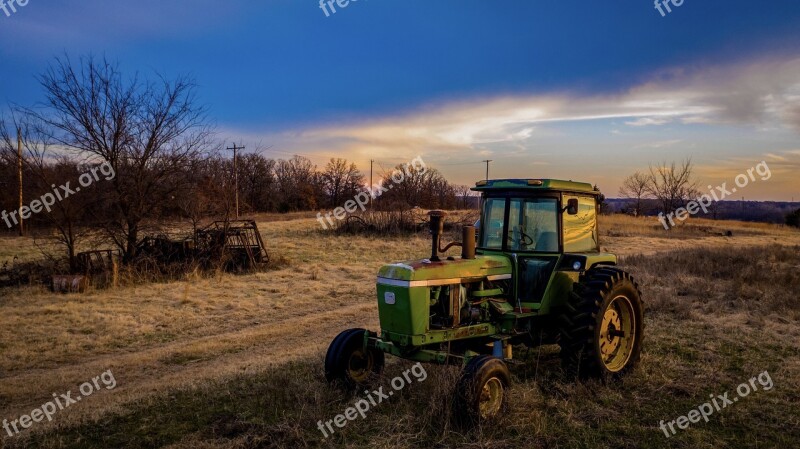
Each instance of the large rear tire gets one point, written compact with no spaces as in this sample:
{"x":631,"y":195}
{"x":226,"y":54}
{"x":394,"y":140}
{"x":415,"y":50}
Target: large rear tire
{"x":602,"y":327}
{"x":349,"y":363}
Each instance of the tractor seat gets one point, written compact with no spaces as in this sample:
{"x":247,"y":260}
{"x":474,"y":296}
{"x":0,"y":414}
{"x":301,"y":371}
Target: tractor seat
{"x":548,"y":241}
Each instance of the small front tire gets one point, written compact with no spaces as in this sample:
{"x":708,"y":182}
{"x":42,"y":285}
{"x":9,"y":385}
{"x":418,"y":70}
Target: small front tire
{"x":482,"y":391}
{"x":349,"y":363}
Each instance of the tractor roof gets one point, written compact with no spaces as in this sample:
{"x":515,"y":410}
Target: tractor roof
{"x":549,"y":185}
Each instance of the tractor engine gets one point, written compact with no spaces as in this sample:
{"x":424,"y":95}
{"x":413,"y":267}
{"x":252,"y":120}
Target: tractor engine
{"x":439,"y":293}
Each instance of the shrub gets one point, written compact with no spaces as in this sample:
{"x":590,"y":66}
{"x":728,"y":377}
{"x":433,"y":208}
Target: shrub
{"x":793,"y":219}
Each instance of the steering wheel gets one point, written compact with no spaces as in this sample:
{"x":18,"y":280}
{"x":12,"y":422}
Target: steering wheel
{"x":524,"y":240}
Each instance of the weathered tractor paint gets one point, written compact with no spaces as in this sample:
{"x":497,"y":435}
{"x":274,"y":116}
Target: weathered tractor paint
{"x":536,"y":275}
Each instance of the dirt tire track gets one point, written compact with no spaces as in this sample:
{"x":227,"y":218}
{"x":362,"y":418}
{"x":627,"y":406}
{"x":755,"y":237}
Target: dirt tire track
{"x":267,"y":345}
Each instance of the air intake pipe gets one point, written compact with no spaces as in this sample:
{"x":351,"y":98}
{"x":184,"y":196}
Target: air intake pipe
{"x":468,"y":242}
{"x":437,"y":229}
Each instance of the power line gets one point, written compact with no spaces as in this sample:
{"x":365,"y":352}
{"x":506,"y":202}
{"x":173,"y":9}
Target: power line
{"x":460,"y":163}
{"x":381,"y":163}
{"x":317,"y":155}
{"x":309,"y":156}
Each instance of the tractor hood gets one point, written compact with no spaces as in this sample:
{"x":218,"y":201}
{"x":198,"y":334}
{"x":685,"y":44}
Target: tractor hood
{"x":420,"y":272}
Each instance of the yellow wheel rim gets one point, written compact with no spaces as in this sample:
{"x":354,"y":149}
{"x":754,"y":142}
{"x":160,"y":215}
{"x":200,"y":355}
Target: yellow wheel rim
{"x":617,"y":334}
{"x":359,"y":366}
{"x":491,"y":398}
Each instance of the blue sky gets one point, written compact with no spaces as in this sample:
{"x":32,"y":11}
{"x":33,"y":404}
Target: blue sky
{"x":568,"y":88}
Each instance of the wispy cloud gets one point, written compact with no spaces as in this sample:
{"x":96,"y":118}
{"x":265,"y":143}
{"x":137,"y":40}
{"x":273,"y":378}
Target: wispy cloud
{"x":648,"y":121}
{"x":775,"y":157}
{"x":659,"y":144}
{"x":754,"y":95}
{"x":750,"y":94}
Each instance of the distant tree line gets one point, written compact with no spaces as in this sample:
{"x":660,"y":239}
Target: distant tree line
{"x":167,"y":165}
{"x":666,"y":187}
{"x":760,"y":211}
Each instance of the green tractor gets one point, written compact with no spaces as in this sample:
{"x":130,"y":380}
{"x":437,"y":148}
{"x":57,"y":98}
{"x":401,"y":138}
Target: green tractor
{"x":535,"y":275}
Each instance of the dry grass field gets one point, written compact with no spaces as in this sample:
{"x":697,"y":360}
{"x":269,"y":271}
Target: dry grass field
{"x":236,"y":361}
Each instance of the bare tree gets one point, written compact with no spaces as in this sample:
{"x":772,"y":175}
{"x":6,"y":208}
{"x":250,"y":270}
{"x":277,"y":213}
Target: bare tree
{"x":9,"y":189}
{"x":443,"y":193}
{"x":297,"y":184}
{"x":463,"y":196}
{"x":341,"y":180}
{"x":148,"y":131}
{"x":636,"y":187}
{"x":209,"y":193}
{"x":46,"y":171}
{"x":672,"y":185}
{"x":410,"y":186}
{"x":257,"y":182}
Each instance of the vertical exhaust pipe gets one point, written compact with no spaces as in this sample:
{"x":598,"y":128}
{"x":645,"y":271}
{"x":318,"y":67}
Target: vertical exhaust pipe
{"x":437,"y":228}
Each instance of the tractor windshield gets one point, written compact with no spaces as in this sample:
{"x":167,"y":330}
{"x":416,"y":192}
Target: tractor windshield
{"x":532,"y":224}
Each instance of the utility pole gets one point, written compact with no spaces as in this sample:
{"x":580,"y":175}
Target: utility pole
{"x":487,"y":167}
{"x":236,"y":176}
{"x":19,"y":171}
{"x":371,"y":192}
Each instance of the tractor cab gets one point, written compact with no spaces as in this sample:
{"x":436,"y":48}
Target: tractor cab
{"x":541,"y":225}
{"x":537,"y":216}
